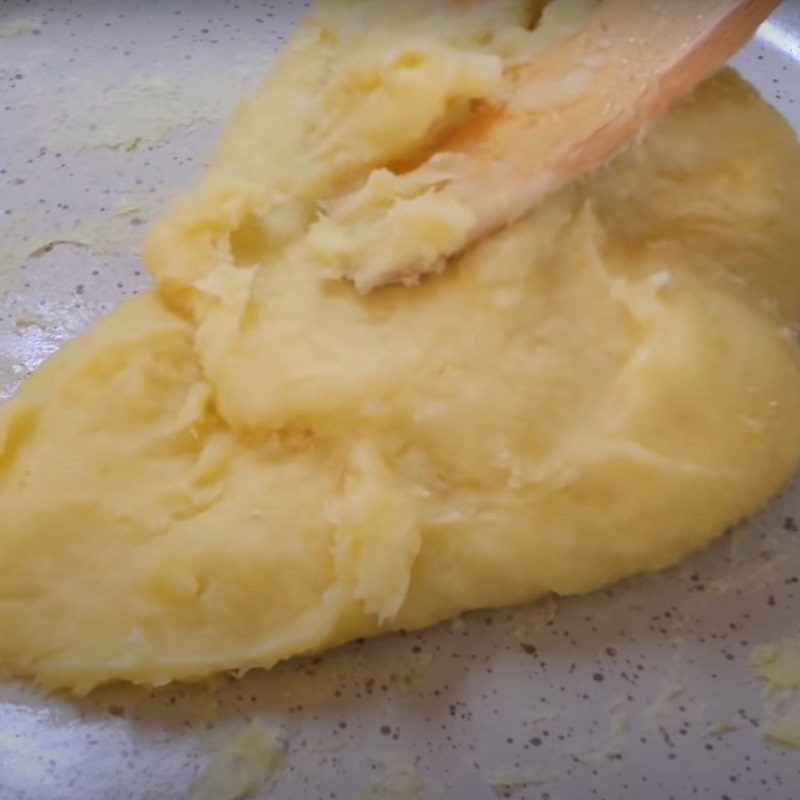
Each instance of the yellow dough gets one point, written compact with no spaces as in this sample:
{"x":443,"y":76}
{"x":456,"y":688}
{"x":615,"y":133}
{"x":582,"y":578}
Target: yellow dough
{"x":256,"y":460}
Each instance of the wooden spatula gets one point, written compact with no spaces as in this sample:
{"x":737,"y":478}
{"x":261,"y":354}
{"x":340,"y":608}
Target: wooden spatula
{"x":574,"y":105}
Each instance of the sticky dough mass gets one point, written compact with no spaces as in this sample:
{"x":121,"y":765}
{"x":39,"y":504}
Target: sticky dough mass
{"x":255,"y":460}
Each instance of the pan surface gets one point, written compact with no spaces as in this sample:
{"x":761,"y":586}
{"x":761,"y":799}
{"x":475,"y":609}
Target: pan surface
{"x":641,"y":691}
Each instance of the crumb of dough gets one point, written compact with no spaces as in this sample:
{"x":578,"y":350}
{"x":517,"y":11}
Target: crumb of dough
{"x":619,"y":721}
{"x":458,"y":625}
{"x":542,"y":614}
{"x":507,"y":780}
{"x":254,"y":460}
{"x":242,"y":765}
{"x":332,"y":744}
{"x":399,"y":780}
{"x":666,"y":703}
{"x":543,"y":716}
{"x":21,"y":27}
{"x":783,"y":730}
{"x":407,"y":678}
{"x":594,"y":758}
{"x":778,"y":663}
{"x":10,"y":370}
{"x":115,"y":233}
{"x":124,"y":207}
{"x":87,"y":110}
{"x":719,"y":727}
{"x":618,"y":725}
{"x":30,"y":320}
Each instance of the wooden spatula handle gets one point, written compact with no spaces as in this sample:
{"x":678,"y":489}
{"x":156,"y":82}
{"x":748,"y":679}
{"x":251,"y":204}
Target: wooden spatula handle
{"x":574,"y":105}
{"x":637,"y":57}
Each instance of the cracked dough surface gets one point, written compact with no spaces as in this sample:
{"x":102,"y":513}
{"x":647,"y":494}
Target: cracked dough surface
{"x":254,"y":460}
